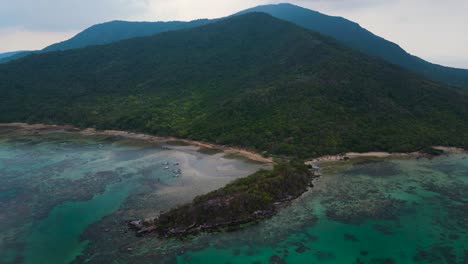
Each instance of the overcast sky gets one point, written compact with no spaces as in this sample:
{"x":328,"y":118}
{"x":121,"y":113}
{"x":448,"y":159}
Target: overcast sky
{"x":436,"y":30}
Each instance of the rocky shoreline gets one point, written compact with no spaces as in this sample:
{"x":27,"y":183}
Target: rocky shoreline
{"x":228,"y":209}
{"x":149,"y":225}
{"x":174,"y":229}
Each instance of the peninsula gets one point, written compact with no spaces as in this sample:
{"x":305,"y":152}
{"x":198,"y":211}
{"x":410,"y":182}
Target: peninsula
{"x":243,"y":201}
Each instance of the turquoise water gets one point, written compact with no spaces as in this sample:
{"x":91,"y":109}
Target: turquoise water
{"x":397,"y":211}
{"x":56,"y":186}
{"x":378,"y":212}
{"x":63,"y":226}
{"x":65,"y":198}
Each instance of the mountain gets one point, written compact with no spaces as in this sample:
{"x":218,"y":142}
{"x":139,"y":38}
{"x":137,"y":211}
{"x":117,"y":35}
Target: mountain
{"x":109,"y":32}
{"x":119,"y":30}
{"x":345,"y":31}
{"x":355,"y":36}
{"x":8,"y":56}
{"x":250,"y":80}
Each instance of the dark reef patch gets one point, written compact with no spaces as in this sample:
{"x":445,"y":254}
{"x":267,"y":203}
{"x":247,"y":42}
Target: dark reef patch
{"x":374,"y":168}
{"x":275,"y":259}
{"x":356,"y":205}
{"x":437,"y":253}
{"x":350,"y":237}
{"x":384,"y":229}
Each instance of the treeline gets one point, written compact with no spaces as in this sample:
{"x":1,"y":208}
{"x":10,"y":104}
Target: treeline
{"x":242,"y":201}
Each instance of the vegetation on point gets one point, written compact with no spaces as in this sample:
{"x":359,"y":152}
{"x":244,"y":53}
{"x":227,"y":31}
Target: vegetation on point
{"x":432,"y":151}
{"x":244,"y":200}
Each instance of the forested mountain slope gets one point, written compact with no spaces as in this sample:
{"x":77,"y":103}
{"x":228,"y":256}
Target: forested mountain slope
{"x":250,"y":80}
{"x":345,"y":31}
{"x":353,"y":35}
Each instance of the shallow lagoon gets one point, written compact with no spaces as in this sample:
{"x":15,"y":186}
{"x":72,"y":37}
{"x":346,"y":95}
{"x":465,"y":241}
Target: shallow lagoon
{"x":54,"y":185}
{"x":64,"y":195}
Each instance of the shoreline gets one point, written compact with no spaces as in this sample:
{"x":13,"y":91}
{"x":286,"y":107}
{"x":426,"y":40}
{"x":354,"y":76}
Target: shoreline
{"x":221,"y":200}
{"x":213,"y":211}
{"x":382,"y":154}
{"x":148,"y":137}
{"x":229,"y":150}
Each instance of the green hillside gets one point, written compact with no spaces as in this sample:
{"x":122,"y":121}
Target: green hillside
{"x":347,"y":32}
{"x":353,"y":35}
{"x":249,"y":80}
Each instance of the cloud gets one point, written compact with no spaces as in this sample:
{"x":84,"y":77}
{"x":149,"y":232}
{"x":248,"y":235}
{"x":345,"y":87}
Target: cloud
{"x":431,"y":29}
{"x":64,"y":15}
{"x":189,"y":9}
{"x":342,"y":4}
{"x":16,"y":38}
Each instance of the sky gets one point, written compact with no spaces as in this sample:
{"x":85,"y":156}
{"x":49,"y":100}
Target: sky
{"x":434,"y":30}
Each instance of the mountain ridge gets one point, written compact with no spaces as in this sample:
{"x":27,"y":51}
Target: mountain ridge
{"x":352,"y":34}
{"x":251,"y":80}
{"x":120,"y":30}
{"x":342,"y":29}
{"x":112,"y":31}
{"x":8,"y":54}
{"x":13,"y":55}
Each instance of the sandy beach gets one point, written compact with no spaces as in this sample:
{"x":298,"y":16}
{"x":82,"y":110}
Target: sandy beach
{"x":91,"y":131}
{"x":381,"y":154}
{"x":227,"y":150}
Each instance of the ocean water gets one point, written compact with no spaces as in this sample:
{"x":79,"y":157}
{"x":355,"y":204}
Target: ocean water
{"x":377,"y":211}
{"x":55,"y":186}
{"x":65,"y":198}
{"x":384,"y":211}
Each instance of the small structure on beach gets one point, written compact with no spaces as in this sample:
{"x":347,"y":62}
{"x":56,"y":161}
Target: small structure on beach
{"x":315,"y":168}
